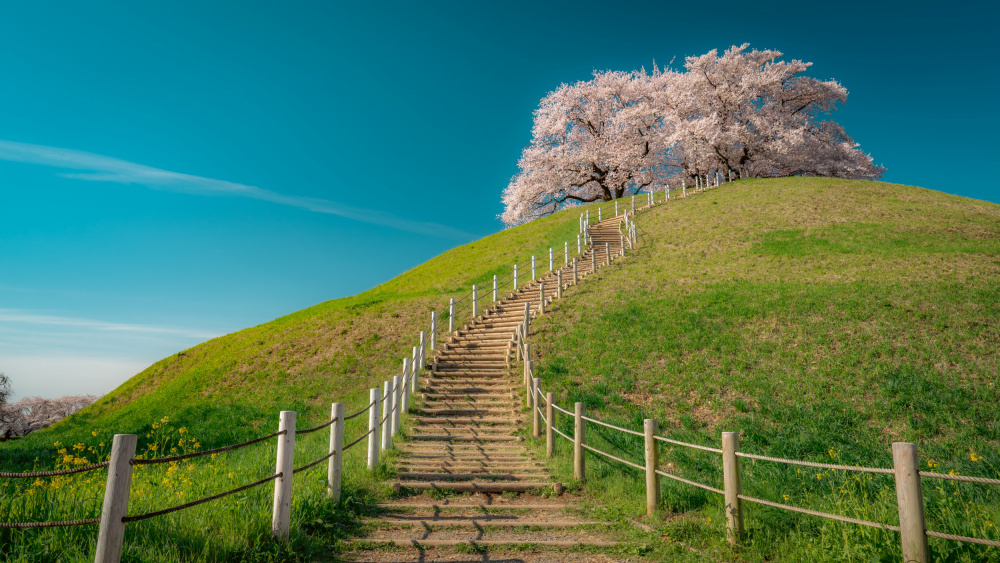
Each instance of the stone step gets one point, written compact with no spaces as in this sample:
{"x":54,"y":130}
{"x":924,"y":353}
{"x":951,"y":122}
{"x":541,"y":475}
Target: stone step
{"x":476,"y":486}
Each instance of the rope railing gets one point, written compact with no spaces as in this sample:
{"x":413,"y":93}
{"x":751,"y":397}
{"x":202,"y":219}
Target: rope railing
{"x":964,"y":478}
{"x":980,"y":541}
{"x":33,"y":474}
{"x":816,"y":464}
{"x":689,"y":482}
{"x":363,"y":436}
{"x":315,"y":428}
{"x":612,"y":426}
{"x":139,"y":517}
{"x":314,"y":463}
{"x":59,"y":524}
{"x":687,"y":445}
{"x":605,"y":454}
{"x":360,"y":412}
{"x":888,"y":527}
{"x":206,"y":452}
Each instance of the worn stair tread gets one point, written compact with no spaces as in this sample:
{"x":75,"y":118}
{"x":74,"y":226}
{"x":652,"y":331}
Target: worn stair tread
{"x":483,"y":522}
{"x":477,"y":486}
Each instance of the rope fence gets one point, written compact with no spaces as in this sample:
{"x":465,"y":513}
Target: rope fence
{"x":817,"y":465}
{"x":34,"y":474}
{"x":206,"y":452}
{"x":140,"y":517}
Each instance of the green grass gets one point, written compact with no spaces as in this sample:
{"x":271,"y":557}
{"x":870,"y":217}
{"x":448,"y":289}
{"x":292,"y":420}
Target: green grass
{"x":823,"y":319}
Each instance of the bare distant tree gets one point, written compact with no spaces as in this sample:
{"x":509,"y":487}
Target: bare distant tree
{"x":33,"y":413}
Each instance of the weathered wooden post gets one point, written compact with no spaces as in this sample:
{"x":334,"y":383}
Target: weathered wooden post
{"x":616,"y":208}
{"x":475,"y":302}
{"x":551,"y":263}
{"x":405,"y":381}
{"x":599,"y":219}
{"x":607,"y":253}
{"x":910,"y":501}
{"x":593,"y":259}
{"x":668,"y":192}
{"x":451,"y":316}
{"x":494,"y":288}
{"x":633,"y":204}
{"x":576,"y":275}
{"x":386,"y":420}
{"x":422,"y":363}
{"x":536,"y":426}
{"x":565,"y":253}
{"x":517,"y":342}
{"x":559,"y":285}
{"x":579,"y":247}
{"x":731,"y":484}
{"x":541,"y":298}
{"x":534,"y":273}
{"x":434,"y":330}
{"x":684,"y":188}
{"x":397,"y":401}
{"x":550,"y":436}
{"x":515,"y":277}
{"x":588,"y":218}
{"x":335,"y":467}
{"x":527,"y":369}
{"x":527,"y":317}
{"x":652,"y":462}
{"x":529,"y":375}
{"x":622,"y":237}
{"x":579,"y":469}
{"x":281,"y":514}
{"x":375,"y":400}
{"x":111,"y":535}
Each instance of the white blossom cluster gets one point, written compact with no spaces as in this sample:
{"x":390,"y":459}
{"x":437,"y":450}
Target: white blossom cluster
{"x":33,"y":413}
{"x":741,"y":114}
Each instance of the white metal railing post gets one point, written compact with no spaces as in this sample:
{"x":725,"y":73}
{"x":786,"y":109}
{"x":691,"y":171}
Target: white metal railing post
{"x":335,"y":467}
{"x":405,"y":380}
{"x":397,"y":400}
{"x":910,"y":502}
{"x":281,"y":514}
{"x":536,"y":426}
{"x":111,"y":535}
{"x":534,"y":275}
{"x":494,"y":288}
{"x":550,"y":436}
{"x":375,"y":400}
{"x":475,"y":302}
{"x":652,"y":463}
{"x":451,"y":316}
{"x":579,"y":465}
{"x":386,"y":418}
{"x":731,"y":484}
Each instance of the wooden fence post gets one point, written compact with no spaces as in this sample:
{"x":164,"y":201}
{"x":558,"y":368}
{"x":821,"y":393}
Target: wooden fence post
{"x":579,"y":464}
{"x":416,"y":365}
{"x":281,"y":514}
{"x":576,"y":275}
{"x":565,"y":253}
{"x":616,"y":208}
{"x":451,"y":316}
{"x":607,"y":253}
{"x":404,"y":381}
{"x":517,"y":343}
{"x":910,"y":501}
{"x":599,"y":218}
{"x":536,"y":426}
{"x":334,"y":470}
{"x":593,"y":259}
{"x":515,"y":277}
{"x":633,"y":204}
{"x":550,"y":436}
{"x":622,"y":237}
{"x":475,"y":302}
{"x":397,"y":400}
{"x":529,"y":374}
{"x":527,"y":320}
{"x":541,"y":298}
{"x":534,"y":275}
{"x":494,"y":288}
{"x":731,"y":483}
{"x":111,"y":535}
{"x":388,"y":395}
{"x":551,"y":263}
{"x":422,"y":362}
{"x":652,"y":462}
{"x":373,"y":437}
{"x":434,"y":330}
{"x":578,"y":249}
{"x":559,"y":284}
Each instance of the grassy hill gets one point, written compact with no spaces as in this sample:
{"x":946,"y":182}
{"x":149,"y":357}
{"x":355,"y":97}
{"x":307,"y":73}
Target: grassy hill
{"x":822,"y":318}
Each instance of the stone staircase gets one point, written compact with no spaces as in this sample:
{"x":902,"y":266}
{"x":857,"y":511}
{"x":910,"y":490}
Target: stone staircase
{"x":465,"y":479}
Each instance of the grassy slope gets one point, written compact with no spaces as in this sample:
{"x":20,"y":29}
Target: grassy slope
{"x":824,"y":319}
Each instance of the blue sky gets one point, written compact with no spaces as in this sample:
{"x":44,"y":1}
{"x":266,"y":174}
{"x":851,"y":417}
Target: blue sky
{"x":174,"y":171}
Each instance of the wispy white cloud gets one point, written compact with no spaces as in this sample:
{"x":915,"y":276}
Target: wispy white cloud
{"x":98,"y":168}
{"x":32,"y":318}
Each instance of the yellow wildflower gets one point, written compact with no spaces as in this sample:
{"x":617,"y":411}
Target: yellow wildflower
{"x":975,"y":458}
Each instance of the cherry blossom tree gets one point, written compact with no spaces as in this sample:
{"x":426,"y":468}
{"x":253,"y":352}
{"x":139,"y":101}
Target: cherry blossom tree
{"x":741,"y":114}
{"x":749,"y":113}
{"x":593,"y":140}
{"x":33,"y":413}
